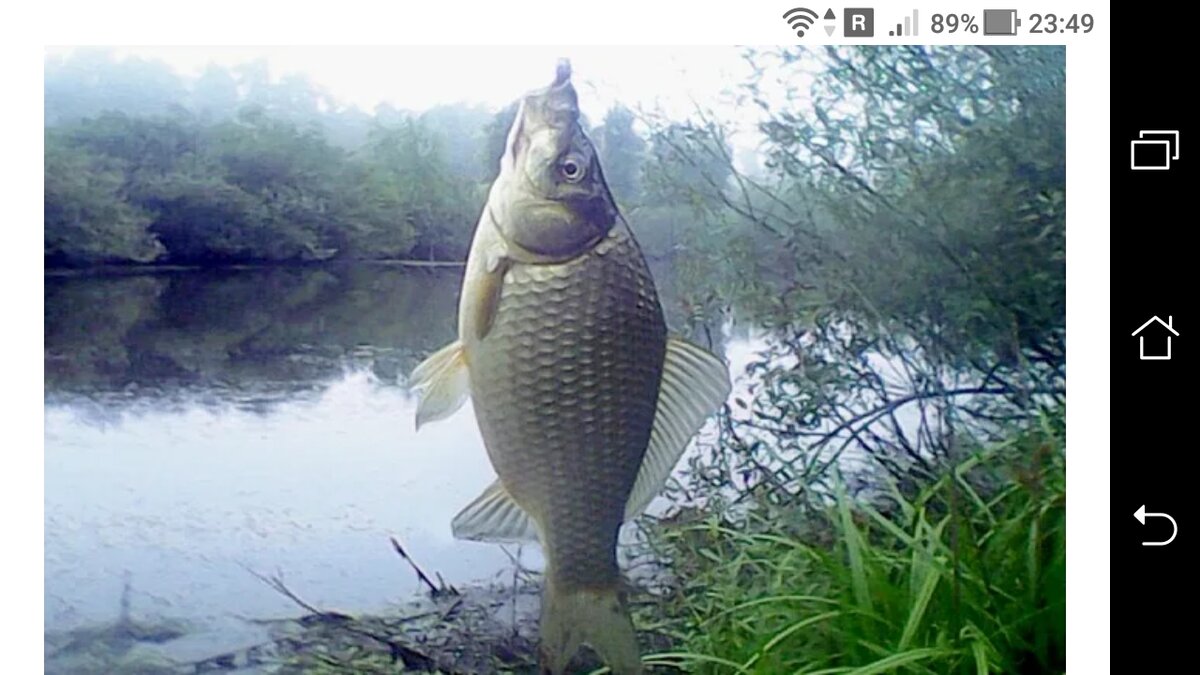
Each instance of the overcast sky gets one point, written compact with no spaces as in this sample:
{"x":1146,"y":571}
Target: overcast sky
{"x":417,"y":78}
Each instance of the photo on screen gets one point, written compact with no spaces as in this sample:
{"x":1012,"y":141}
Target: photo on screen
{"x":447,"y":359}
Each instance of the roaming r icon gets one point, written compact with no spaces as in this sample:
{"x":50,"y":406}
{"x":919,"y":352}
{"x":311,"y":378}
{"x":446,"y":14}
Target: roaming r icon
{"x":1154,"y":154}
{"x":859,"y":22}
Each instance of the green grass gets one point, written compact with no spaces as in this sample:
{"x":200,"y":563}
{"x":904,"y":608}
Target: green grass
{"x":957,"y":578}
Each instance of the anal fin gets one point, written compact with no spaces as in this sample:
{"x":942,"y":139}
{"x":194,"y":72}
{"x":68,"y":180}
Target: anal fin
{"x":495,"y":517}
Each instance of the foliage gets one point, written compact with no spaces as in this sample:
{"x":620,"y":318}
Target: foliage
{"x":87,"y":217}
{"x":689,"y":163}
{"x":496,"y":135}
{"x":145,"y":166}
{"x":902,"y":248}
{"x":439,"y":206}
{"x":621,"y":152}
{"x":966,"y":576}
{"x":462,"y":130}
{"x":87,"y":83}
{"x":255,"y":188}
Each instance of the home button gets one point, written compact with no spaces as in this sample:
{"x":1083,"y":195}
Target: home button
{"x":1159,"y":332}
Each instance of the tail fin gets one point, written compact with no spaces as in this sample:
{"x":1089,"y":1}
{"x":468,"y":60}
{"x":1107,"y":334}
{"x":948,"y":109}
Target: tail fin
{"x":596,"y":617}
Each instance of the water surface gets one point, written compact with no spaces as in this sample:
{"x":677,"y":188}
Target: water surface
{"x":200,"y":426}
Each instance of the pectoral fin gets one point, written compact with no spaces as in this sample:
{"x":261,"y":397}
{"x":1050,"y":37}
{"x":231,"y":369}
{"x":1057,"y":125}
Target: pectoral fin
{"x":694,"y":385}
{"x":487,"y":298}
{"x":484,"y":281}
{"x":494,"y":516}
{"x":441,"y":381}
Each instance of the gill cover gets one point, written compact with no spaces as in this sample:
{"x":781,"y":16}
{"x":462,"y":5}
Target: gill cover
{"x":551,"y":198}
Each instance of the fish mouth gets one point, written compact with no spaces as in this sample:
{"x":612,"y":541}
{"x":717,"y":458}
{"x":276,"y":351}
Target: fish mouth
{"x":557,"y":103}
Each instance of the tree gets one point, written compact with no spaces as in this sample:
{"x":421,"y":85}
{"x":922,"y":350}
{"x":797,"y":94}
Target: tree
{"x":621,"y":152}
{"x":462,"y":130}
{"x":688,"y":164}
{"x":87,"y":219}
{"x":496,"y":135}
{"x":236,"y":167}
{"x":88,"y":82}
{"x":214,"y":95}
{"x":437,"y":204}
{"x":146,"y":145}
{"x":904,"y":243}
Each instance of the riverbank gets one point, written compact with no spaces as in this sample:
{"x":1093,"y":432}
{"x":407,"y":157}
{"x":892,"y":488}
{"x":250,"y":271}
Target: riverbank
{"x":480,"y":629}
{"x":133,"y":270}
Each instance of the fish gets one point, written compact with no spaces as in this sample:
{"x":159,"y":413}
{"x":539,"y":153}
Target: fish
{"x":583,"y":399}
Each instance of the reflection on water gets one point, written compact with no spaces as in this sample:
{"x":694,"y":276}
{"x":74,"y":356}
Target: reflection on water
{"x":201,"y":424}
{"x":260,"y":330}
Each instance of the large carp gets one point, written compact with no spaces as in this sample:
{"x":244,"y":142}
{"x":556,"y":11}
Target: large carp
{"x":584,"y":402}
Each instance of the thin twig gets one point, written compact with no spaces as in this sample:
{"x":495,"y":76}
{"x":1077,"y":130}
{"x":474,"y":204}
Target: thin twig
{"x":275,"y":581}
{"x":410,"y":657}
{"x":434,"y":590}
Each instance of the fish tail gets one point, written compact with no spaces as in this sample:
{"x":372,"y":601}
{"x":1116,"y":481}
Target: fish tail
{"x":597,"y":617}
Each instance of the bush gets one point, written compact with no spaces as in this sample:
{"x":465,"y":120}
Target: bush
{"x":966,"y":576}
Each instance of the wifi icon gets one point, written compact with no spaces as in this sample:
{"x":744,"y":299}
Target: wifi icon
{"x":800,"y":19}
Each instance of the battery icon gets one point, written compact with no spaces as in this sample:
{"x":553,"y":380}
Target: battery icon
{"x":1000,"y":22}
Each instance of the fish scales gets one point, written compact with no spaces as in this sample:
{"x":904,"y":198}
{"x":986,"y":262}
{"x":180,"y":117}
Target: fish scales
{"x":566,"y":385}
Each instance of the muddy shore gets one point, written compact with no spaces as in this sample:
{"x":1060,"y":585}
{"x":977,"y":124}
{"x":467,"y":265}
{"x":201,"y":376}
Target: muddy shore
{"x":483,"y":629}
{"x":474,"y":630}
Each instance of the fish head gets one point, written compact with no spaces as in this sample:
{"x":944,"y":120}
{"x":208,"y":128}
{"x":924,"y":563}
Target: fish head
{"x":551,"y":197}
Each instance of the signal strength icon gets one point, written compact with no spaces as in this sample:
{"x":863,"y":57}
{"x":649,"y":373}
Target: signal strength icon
{"x":906,"y":28}
{"x":800,"y":19}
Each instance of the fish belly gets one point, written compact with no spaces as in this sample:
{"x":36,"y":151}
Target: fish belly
{"x":564,"y":386}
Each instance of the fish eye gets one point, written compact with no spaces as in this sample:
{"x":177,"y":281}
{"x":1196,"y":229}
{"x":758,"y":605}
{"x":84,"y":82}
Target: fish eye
{"x":572,"y":168}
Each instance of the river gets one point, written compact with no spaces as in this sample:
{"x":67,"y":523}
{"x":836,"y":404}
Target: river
{"x":203,"y":425}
